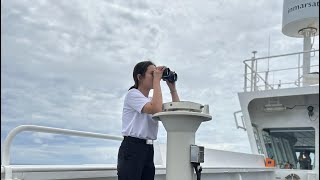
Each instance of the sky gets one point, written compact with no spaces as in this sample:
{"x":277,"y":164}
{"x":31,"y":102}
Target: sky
{"x":68,"y":64}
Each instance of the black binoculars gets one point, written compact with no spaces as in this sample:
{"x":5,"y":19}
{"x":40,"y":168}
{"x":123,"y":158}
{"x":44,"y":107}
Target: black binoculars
{"x":169,"y":75}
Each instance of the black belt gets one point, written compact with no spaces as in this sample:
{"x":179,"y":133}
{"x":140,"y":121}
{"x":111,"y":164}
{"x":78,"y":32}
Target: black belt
{"x":137,"y":140}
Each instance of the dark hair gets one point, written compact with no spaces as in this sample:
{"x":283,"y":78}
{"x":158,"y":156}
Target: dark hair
{"x":140,"y":68}
{"x":307,"y":152}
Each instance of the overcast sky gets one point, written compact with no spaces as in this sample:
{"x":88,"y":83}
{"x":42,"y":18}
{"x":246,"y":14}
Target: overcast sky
{"x":68,"y":64}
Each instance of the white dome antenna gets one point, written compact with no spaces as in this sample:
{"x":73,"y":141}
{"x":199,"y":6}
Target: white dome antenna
{"x":301,"y":20}
{"x":300,"y":16}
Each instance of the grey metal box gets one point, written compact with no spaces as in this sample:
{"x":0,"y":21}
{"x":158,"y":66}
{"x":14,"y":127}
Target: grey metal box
{"x":196,"y":154}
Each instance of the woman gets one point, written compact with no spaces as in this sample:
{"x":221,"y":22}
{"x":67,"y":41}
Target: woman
{"x":135,"y":156}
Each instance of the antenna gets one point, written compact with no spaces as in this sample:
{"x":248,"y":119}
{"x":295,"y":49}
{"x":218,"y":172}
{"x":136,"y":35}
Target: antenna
{"x":268,"y":52}
{"x":301,"y":20}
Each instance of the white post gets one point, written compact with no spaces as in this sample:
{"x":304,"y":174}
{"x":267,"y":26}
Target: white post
{"x":181,"y":127}
{"x":178,"y":155}
{"x":254,"y":69}
{"x":252,"y":75}
{"x":245,"y":77}
{"x":307,"y":34}
{"x":306,"y":56}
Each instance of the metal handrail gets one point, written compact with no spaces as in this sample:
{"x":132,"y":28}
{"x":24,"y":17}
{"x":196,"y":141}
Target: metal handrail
{"x":19,"y":129}
{"x":281,"y":55}
{"x":236,"y":120}
{"x":276,"y":70}
{"x":255,"y":74}
{"x":296,"y":82}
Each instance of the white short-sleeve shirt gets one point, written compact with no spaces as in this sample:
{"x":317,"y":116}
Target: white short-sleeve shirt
{"x":135,"y":123}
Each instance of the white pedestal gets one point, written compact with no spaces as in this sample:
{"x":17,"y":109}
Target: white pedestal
{"x":181,"y":127}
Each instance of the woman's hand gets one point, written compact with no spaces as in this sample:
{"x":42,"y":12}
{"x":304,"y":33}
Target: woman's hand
{"x":157,"y":73}
{"x":173,"y":91}
{"x":172,"y":86}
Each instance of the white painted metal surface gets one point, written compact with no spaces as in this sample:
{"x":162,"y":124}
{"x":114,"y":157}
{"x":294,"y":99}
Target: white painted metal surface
{"x":252,"y":104}
{"x":299,"y":14}
{"x":246,"y":97}
{"x":181,"y":127}
{"x":227,"y":159}
{"x":182,"y":106}
{"x":307,"y":33}
{"x":216,"y":166}
{"x":110,"y":174}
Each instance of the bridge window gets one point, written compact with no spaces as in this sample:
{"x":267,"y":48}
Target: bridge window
{"x":291,"y":148}
{"x":258,"y":141}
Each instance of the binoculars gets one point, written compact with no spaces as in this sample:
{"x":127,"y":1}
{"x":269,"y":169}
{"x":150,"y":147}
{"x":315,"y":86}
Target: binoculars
{"x":169,"y":75}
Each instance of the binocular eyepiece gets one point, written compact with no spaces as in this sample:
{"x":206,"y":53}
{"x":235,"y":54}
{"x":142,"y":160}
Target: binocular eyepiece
{"x":169,"y":75}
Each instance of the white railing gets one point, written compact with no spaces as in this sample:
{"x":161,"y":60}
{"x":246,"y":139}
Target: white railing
{"x":7,"y":143}
{"x":242,"y":120}
{"x":258,"y":72}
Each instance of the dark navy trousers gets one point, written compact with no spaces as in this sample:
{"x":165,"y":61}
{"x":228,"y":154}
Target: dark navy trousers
{"x":135,"y":160}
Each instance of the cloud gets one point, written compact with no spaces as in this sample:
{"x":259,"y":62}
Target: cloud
{"x":68,"y":64}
